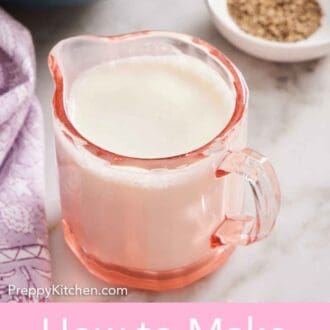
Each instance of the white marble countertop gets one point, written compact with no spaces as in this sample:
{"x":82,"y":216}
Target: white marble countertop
{"x":289,"y":121}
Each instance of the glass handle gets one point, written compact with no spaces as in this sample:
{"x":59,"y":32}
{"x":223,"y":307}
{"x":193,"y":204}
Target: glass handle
{"x":259,"y":173}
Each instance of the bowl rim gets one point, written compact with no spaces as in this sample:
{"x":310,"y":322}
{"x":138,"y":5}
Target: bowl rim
{"x":265,"y":42}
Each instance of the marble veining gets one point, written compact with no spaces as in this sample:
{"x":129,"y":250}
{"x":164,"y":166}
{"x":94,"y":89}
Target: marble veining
{"x":289,"y":121}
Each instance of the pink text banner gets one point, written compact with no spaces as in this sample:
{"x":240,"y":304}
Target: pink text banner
{"x":138,"y":316}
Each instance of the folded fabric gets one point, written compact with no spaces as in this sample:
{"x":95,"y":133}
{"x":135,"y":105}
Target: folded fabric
{"x":24,"y":255}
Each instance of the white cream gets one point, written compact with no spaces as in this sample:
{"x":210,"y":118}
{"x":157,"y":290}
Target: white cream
{"x":150,"y":107}
{"x":150,"y":220}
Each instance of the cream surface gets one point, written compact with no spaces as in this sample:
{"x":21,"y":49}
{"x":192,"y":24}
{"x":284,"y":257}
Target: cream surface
{"x":150,"y":107}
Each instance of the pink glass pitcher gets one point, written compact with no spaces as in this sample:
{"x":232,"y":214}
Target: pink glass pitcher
{"x":164,"y":223}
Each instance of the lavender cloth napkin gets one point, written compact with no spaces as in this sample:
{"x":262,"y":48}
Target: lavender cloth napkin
{"x":24,"y":256}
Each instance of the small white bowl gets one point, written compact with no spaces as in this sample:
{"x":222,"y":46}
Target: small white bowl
{"x":315,"y":46}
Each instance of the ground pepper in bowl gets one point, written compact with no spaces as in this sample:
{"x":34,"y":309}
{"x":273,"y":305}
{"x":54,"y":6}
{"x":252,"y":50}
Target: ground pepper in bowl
{"x":277,"y":20}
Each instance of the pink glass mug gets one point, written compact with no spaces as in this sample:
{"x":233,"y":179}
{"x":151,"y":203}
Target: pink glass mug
{"x":157,"y":224}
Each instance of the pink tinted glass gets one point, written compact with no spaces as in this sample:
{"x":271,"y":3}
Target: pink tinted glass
{"x":157,"y":223}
